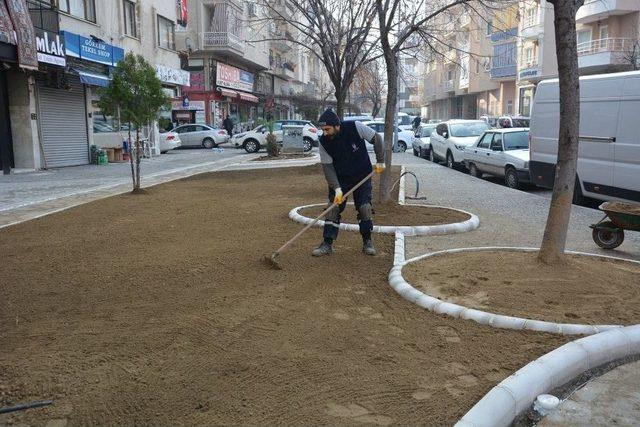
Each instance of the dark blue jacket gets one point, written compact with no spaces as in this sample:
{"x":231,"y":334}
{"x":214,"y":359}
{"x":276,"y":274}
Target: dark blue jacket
{"x":349,"y":153}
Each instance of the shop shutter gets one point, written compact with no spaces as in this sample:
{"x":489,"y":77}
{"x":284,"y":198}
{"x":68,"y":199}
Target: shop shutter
{"x":63,"y":122}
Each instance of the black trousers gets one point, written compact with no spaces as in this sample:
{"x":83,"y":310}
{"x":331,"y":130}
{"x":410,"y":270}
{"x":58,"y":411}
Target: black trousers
{"x":362,"y":200}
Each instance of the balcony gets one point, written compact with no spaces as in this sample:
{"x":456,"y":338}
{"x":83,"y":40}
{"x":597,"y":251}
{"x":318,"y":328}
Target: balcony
{"x":43,"y":15}
{"x":598,"y":55}
{"x":596,"y":10}
{"x":503,"y":36}
{"x":449,"y":86}
{"x":532,"y":26}
{"x":223,"y":42}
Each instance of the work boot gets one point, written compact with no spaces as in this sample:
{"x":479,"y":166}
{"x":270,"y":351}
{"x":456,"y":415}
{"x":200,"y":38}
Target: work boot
{"x":323,"y":249}
{"x":368,"y":248}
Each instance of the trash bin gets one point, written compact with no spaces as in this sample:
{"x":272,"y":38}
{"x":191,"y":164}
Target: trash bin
{"x":292,"y":139}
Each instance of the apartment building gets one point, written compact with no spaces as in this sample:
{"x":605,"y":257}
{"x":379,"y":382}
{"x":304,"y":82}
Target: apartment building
{"x":409,"y":99}
{"x":54,"y":117}
{"x":457,"y":81}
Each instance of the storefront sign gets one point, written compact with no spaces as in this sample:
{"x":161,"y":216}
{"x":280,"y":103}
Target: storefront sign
{"x":91,"y":50}
{"x":531,"y":72}
{"x":200,"y":119}
{"x":234,"y":78}
{"x":50,"y":48}
{"x":197,"y":80}
{"x":172,"y":76}
{"x":192,"y":105}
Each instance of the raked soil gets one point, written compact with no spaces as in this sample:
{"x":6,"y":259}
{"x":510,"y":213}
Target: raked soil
{"x":587,"y":290}
{"x":157,"y":309}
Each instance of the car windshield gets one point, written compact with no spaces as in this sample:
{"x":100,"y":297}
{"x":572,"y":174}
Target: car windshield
{"x":427,"y":131}
{"x":520,"y":123}
{"x":516,"y":141}
{"x":463,"y":130}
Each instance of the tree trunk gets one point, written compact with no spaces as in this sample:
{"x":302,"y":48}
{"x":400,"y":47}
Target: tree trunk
{"x":389,"y":124}
{"x":375,"y":110}
{"x":138,"y":155}
{"x":341,"y":97}
{"x":130,"y":148}
{"x":555,"y":233}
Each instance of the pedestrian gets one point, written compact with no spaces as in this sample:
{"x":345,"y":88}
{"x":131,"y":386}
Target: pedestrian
{"x":227,"y":124}
{"x":416,"y":122}
{"x":345,"y":162}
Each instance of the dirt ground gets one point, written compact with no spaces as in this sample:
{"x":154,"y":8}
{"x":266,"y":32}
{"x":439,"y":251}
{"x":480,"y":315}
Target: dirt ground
{"x":582,"y":290}
{"x":157,"y":309}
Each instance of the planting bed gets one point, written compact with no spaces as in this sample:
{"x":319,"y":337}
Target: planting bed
{"x":157,"y":309}
{"x":583,"y":289}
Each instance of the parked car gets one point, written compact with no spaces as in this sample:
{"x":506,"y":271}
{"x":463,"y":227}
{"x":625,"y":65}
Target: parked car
{"x":609,"y":148}
{"x":452,"y":137}
{"x":405,"y":137}
{"x":513,"y":122}
{"x":256,"y":139}
{"x":502,"y":153}
{"x":405,"y":121}
{"x":358,"y":117}
{"x":169,"y":141}
{"x":422,"y":140}
{"x":491,"y":121}
{"x":194,"y":135}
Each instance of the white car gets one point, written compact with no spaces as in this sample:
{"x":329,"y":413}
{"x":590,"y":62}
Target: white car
{"x":253,"y":140}
{"x":503,"y":153}
{"x":169,"y":141}
{"x":194,"y":135}
{"x":422,"y":140}
{"x":405,"y":137}
{"x":451,"y":138}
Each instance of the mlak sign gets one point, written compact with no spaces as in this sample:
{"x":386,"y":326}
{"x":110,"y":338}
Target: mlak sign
{"x":50,"y":48}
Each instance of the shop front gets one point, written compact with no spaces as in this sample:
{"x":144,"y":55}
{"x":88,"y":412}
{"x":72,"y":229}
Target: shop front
{"x":8,"y":57}
{"x":237,"y":98}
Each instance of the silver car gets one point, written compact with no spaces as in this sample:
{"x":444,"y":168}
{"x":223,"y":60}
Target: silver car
{"x":194,"y":135}
{"x":501,"y":152}
{"x":422,"y":140}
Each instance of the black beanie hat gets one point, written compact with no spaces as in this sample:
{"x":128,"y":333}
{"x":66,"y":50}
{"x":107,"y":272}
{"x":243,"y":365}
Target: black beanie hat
{"x":329,"y":118}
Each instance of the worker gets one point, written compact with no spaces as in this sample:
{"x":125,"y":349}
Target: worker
{"x":345,"y":162}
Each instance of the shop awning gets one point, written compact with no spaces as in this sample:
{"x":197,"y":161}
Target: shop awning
{"x":93,"y":79}
{"x":228,"y":92}
{"x":248,"y":97}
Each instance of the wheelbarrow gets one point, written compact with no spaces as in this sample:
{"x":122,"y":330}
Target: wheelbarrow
{"x":609,"y":234}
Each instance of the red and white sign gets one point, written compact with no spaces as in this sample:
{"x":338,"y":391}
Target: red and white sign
{"x":234,"y":78}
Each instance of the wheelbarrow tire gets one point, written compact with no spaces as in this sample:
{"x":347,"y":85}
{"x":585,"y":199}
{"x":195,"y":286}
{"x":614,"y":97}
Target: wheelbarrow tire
{"x":608,"y":236}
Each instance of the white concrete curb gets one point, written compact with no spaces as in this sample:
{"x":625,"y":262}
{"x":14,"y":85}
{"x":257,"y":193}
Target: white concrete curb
{"x":515,"y":394}
{"x":421,"y":230}
{"x":402,"y":287}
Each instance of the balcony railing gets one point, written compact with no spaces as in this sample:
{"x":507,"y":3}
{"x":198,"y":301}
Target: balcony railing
{"x":607,"y":45}
{"x":222,"y":40}
{"x":531,"y":20}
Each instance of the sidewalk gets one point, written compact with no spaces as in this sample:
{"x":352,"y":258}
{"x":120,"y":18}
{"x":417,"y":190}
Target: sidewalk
{"x":507,"y":217}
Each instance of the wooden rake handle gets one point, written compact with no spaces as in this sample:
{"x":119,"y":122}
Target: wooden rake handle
{"x":323,"y":214}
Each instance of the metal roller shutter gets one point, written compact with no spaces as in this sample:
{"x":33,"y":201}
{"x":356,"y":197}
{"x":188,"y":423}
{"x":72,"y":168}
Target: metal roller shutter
{"x":63,"y":122}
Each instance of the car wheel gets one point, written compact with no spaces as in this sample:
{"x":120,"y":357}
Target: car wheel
{"x":164,"y":152}
{"x":607,"y":235}
{"x":402,"y":146}
{"x":473,"y":170}
{"x":208,"y":143}
{"x":450,"y":162}
{"x":308,"y":144}
{"x":416,"y":153}
{"x":432,"y":156}
{"x":511,"y":178}
{"x":251,"y":146}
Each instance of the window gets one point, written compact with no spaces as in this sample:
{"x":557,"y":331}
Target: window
{"x":130,"y":27}
{"x":485,"y":141}
{"x":441,"y":129}
{"x":465,"y":130}
{"x":166,"y":33}
{"x":199,"y":128}
{"x":489,"y":27}
{"x":516,"y":141}
{"x":496,"y":144}
{"x":584,"y":39}
{"x":85,"y":9}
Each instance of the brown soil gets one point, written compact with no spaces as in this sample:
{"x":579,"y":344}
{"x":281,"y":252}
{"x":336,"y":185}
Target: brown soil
{"x":395,"y":214}
{"x":583,"y":289}
{"x":283,"y":157}
{"x":159,"y":310}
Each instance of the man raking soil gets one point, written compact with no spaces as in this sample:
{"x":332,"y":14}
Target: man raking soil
{"x":348,"y":170}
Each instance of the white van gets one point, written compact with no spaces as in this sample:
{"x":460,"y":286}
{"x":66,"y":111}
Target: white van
{"x":609,"y":147}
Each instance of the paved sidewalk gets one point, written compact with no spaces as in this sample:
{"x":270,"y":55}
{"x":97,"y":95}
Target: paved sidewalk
{"x":611,"y":399}
{"x":507,"y":217}
{"x":31,"y":195}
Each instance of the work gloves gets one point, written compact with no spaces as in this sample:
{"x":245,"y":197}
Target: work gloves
{"x":338,"y":198}
{"x":379,"y":168}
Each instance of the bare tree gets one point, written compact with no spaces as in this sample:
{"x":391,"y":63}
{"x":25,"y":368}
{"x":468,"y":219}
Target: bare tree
{"x":632,"y":56}
{"x":555,"y":233}
{"x":370,"y":86}
{"x":338,"y":32}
